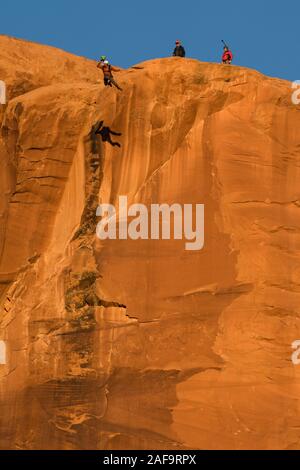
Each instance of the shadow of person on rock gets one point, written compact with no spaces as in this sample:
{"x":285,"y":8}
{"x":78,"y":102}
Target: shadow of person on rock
{"x":105,"y":133}
{"x":93,"y":139}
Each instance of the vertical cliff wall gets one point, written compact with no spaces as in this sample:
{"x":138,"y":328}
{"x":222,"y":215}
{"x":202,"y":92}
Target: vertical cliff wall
{"x":142,"y":344}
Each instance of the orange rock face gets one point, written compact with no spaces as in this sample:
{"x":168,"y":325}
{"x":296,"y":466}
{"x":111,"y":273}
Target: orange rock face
{"x":124,"y":344}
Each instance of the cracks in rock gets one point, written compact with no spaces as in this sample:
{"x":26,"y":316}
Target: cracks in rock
{"x":153,"y":174}
{"x":94,"y":177}
{"x":108,"y":304}
{"x":289,"y":287}
{"x":24,"y":191}
{"x":158,"y":320}
{"x":81,"y":298}
{"x":38,"y":162}
{"x":9,"y":373}
{"x":284,"y":228}
{"x":39,"y":148}
{"x":280,"y":312}
{"x":26,"y":203}
{"x":61,"y":178}
{"x":216,"y":290}
{"x":295,"y":202}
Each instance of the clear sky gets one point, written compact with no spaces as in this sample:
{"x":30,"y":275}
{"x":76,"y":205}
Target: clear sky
{"x":263,"y":34}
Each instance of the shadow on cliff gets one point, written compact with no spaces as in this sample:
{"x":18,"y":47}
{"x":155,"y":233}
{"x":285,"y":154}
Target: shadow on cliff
{"x":105,"y":133}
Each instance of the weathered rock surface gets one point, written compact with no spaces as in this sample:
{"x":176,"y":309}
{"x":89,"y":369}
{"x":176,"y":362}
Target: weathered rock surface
{"x":139,"y":344}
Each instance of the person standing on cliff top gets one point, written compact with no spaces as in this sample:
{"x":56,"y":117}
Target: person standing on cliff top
{"x":227,"y":56}
{"x":179,"y":50}
{"x":107,"y":70}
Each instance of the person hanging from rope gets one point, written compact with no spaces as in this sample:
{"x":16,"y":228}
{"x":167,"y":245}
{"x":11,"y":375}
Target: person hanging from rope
{"x":107,"y":70}
{"x":106,"y":133}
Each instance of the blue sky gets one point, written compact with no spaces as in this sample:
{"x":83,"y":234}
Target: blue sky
{"x":263,"y":34}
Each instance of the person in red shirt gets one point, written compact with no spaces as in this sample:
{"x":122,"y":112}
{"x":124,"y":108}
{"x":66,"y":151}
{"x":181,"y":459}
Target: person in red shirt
{"x":227,"y":56}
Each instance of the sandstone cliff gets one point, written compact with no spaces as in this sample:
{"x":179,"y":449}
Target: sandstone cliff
{"x":139,"y":344}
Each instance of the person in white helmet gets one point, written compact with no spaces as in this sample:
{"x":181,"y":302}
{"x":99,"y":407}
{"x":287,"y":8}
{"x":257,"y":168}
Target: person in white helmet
{"x":107,"y":70}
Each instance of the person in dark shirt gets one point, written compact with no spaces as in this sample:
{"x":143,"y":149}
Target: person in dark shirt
{"x":105,"y":133}
{"x":179,"y":50}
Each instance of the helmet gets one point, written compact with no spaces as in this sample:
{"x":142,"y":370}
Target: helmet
{"x":102,"y":58}
{"x":106,"y":62}
{"x":177,"y":42}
